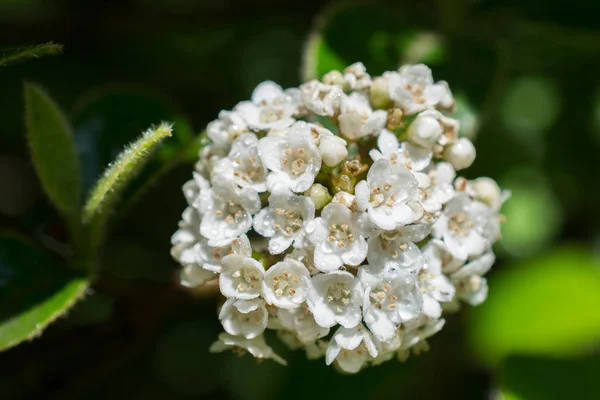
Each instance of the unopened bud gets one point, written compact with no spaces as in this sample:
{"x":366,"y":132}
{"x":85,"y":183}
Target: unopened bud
{"x":460,"y":154}
{"x":319,"y":195}
{"x":379,"y":93}
{"x":487,"y":191}
{"x":333,"y":78}
{"x":333,"y":150}
{"x":424,"y":131}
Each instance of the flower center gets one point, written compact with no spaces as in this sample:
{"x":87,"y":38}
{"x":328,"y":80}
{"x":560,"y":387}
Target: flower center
{"x":285,"y":284}
{"x":253,"y":317}
{"x":424,"y":277}
{"x":287,"y":222}
{"x":382,"y":298}
{"x":270,"y":114}
{"x":417,"y":93}
{"x":383,"y":194}
{"x":340,"y":235}
{"x":295,"y":160}
{"x":460,"y":224}
{"x":391,"y":246}
{"x":246,"y":278}
{"x":338,"y":295}
{"x":230,"y":212}
{"x":249,"y":169}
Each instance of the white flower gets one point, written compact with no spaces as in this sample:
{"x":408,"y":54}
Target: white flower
{"x":418,"y":330}
{"x":241,"y":277}
{"x":284,"y":220}
{"x":426,"y":129}
{"x":460,"y":153}
{"x":256,"y":346}
{"x":351,"y":348}
{"x":247,"y":318}
{"x":356,"y":77}
{"x":243,"y":166}
{"x":395,"y":250}
{"x":185,"y":242}
{"x":209,"y":257}
{"x":435,"y":287}
{"x":192,"y":188}
{"x":438,"y":257}
{"x":357,"y":119}
{"x":306,"y":256}
{"x":224,"y":130}
{"x":293,"y":158}
{"x":487,"y":191}
{"x":471,"y":286}
{"x":184,"y":239}
{"x":333,"y":150}
{"x":389,"y":349}
{"x":270,"y":108}
{"x":467,"y":227}
{"x":320,"y":98}
{"x":436,"y":186}
{"x":193,"y":275}
{"x":473,"y":290}
{"x":388,"y":195}
{"x":375,"y":250}
{"x":302,"y":323}
{"x":338,"y":236}
{"x":413,"y":157}
{"x":479,"y":266}
{"x":227,"y":211}
{"x":390,"y":298}
{"x":285,"y":284}
{"x":413,"y":90}
{"x":334,"y":298}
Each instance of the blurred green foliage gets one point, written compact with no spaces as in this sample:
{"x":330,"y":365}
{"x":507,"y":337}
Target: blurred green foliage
{"x":525,"y":76}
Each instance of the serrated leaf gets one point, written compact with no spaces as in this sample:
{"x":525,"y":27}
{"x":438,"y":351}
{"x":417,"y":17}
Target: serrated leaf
{"x":126,"y":166}
{"x":544,"y":306}
{"x":37,"y":51}
{"x":53,"y":151}
{"x":35,"y":290}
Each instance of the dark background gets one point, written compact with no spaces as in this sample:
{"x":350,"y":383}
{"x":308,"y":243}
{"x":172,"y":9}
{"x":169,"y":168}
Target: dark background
{"x":525,"y":71}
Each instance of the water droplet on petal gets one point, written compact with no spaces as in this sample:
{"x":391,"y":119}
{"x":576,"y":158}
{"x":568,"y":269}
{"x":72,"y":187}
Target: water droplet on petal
{"x":310,"y":227}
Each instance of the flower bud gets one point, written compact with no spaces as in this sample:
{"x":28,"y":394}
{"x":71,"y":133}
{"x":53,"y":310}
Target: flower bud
{"x":424,"y":131}
{"x":379,"y":93}
{"x":460,"y":154}
{"x":319,"y":195}
{"x":333,"y":150}
{"x":333,"y":78}
{"x":487,"y":191}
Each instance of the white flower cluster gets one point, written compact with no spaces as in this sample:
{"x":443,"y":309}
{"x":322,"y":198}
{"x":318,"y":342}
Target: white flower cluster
{"x":332,"y":214}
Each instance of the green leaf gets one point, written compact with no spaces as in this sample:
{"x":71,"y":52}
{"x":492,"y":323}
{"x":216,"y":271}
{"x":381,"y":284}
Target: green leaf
{"x":53,"y":151}
{"x":538,"y":378}
{"x":544,"y":306}
{"x":37,"y":51}
{"x":110,"y":186}
{"x":380,"y":36}
{"x":35,"y":290}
